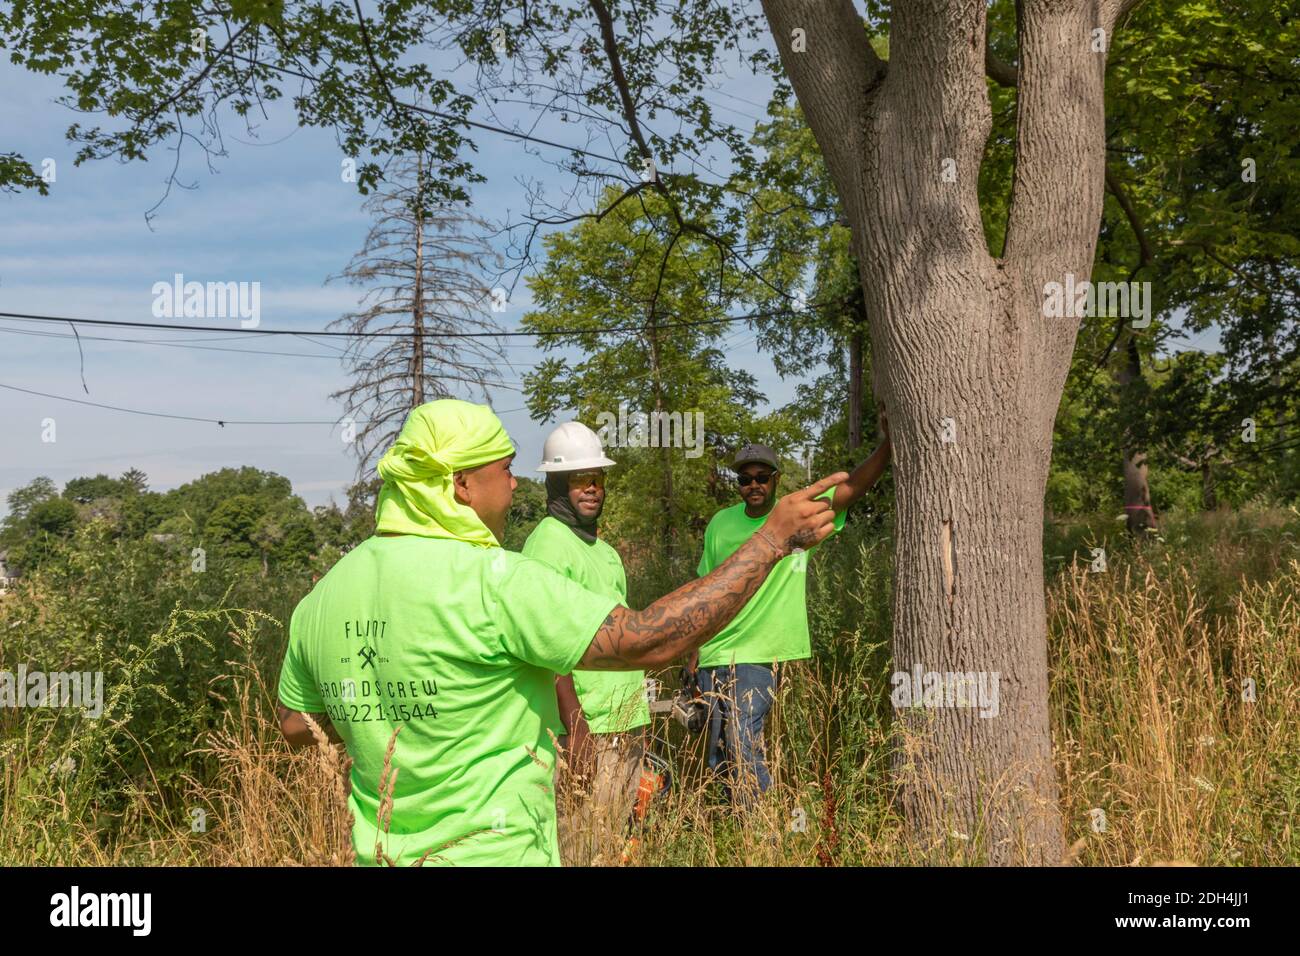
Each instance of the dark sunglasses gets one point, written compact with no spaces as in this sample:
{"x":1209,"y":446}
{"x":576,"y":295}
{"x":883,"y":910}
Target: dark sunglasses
{"x":746,"y":480}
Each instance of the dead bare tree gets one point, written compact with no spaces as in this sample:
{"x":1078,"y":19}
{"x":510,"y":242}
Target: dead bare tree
{"x":426,"y":304}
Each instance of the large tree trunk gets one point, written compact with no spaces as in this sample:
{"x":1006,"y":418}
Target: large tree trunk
{"x":970,"y":370}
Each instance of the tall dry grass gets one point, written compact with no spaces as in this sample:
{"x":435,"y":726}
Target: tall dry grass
{"x":271,"y":806}
{"x":1179,"y":724}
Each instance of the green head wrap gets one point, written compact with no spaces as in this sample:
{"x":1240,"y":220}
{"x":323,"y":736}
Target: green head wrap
{"x":437,"y":440}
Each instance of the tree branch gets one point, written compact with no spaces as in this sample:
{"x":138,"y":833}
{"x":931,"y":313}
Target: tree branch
{"x":1060,"y":139}
{"x":998,"y":70}
{"x":834,"y":80}
{"x":1145,"y":255}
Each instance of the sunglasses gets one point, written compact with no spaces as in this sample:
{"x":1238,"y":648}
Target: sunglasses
{"x":583,"y":479}
{"x":746,"y":480}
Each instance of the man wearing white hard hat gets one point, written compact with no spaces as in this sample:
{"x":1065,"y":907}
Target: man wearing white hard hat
{"x":604,"y":712}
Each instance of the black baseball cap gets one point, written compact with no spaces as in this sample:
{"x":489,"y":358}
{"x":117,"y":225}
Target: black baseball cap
{"x":755,"y":454}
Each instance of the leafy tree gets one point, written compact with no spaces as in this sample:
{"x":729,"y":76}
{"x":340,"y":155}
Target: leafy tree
{"x":798,"y":221}
{"x":136,"y":480}
{"x":344,"y":528}
{"x":233,"y":526}
{"x":47,"y":524}
{"x":86,"y":490}
{"x":246,"y":527}
{"x":18,"y":532}
{"x":298,"y":539}
{"x":1198,"y":194}
{"x":53,"y":517}
{"x":22,"y":500}
{"x":330,"y":527}
{"x":359,"y":518}
{"x":197,"y":500}
{"x":526,"y":509}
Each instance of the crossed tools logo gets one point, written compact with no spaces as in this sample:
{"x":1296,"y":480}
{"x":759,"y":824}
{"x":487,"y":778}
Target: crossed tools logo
{"x":369,"y":633}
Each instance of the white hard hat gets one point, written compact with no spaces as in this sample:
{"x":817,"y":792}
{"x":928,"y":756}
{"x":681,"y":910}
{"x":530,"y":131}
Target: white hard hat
{"x":572,"y":447}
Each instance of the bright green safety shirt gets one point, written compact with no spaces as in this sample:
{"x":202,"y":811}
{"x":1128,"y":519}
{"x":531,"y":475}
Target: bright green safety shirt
{"x":612,"y":701}
{"x":458,"y":646}
{"x":773,"y":626}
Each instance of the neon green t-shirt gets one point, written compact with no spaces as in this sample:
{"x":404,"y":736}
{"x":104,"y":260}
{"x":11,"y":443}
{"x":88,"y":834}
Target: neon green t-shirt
{"x":612,"y":701}
{"x":773,"y":626}
{"x":458,"y":646}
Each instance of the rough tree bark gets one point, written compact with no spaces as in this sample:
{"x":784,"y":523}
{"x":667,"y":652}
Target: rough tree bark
{"x":961,"y":350}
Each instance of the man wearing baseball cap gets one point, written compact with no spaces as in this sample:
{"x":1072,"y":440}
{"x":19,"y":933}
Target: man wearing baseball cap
{"x":738,"y":670}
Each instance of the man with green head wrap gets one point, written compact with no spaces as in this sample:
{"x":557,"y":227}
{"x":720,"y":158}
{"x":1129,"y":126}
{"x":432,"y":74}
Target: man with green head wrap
{"x":430,"y":639}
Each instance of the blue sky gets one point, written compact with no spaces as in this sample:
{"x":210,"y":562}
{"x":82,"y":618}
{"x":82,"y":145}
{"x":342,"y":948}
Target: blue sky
{"x":275,"y":211}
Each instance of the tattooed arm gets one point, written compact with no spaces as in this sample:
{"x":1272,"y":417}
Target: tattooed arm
{"x":680,"y":622}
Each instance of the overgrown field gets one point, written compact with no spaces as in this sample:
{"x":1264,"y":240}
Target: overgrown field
{"x":1175,"y":711}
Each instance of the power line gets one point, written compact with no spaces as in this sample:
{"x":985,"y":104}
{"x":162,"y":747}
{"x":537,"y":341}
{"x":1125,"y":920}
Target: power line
{"x":223,"y":422}
{"x":338,"y":357}
{"x":541,"y":333}
{"x":761,"y":106}
{"x":174,"y":345}
{"x":185,"y":418}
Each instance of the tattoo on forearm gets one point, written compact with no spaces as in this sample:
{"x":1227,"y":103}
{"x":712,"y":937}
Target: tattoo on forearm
{"x":686,"y":618}
{"x":800,"y":540}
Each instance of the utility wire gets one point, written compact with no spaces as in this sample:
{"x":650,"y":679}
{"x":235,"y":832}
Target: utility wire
{"x":336,"y":357}
{"x":223,"y":422}
{"x":540,"y":333}
{"x":174,"y":345}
